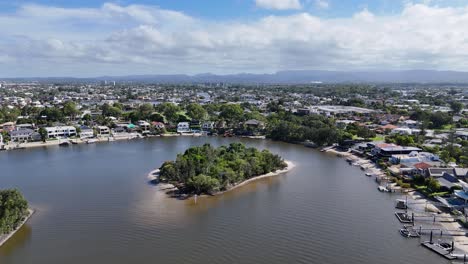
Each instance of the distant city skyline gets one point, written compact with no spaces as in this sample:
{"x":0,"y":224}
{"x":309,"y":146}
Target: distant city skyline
{"x":47,"y":38}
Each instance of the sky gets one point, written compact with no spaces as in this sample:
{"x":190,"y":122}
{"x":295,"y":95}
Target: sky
{"x":88,"y":38}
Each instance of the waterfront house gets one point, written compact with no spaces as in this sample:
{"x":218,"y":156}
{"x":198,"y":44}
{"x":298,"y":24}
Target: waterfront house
{"x":103,"y":131}
{"x":61,"y":131}
{"x":253,"y":123}
{"x":86,"y":132}
{"x":21,"y":135}
{"x":209,"y":125}
{"x":385,"y":150}
{"x":183,"y":127}
{"x":158,"y":125}
{"x":144,"y":126}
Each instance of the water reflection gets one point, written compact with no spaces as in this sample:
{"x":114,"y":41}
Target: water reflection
{"x":18,"y":241}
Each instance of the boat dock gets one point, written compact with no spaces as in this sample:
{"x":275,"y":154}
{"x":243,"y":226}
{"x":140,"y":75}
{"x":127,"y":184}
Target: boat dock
{"x":404,"y":218}
{"x":437,"y":249}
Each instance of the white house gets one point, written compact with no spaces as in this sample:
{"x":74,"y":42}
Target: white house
{"x":60,"y":131}
{"x":145,"y":126}
{"x":86,"y":132}
{"x":183,"y":127}
{"x":103,"y":131}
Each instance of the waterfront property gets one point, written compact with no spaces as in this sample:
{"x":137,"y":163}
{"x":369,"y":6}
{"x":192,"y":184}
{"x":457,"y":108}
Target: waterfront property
{"x":61,"y":131}
{"x":183,"y":127}
{"x":103,"y":131}
{"x":385,"y":150}
{"x":21,"y":135}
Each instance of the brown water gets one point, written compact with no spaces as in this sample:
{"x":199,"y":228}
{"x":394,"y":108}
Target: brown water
{"x":95,"y":205}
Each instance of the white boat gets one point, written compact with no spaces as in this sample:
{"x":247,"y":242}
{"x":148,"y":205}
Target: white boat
{"x":368,"y":174}
{"x":91,"y":141}
{"x":382,"y":188}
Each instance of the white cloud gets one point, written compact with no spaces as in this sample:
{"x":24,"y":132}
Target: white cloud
{"x":279,"y":4}
{"x":322,"y":4}
{"x":135,"y":39}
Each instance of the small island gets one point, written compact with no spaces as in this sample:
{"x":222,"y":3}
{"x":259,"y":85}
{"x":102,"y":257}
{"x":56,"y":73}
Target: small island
{"x":209,"y":170}
{"x":14,"y":212}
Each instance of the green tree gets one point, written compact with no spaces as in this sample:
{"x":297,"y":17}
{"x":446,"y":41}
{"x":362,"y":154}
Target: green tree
{"x":231,"y":113}
{"x":43,"y":133}
{"x":108,"y":110}
{"x":196,"y":111}
{"x":456,"y":106}
{"x":13,"y":209}
{"x":170,"y":111}
{"x":203,"y":184}
{"x":70,"y":110}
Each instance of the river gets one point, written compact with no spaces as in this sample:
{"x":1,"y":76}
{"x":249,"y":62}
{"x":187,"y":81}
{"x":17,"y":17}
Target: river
{"x":95,"y":205}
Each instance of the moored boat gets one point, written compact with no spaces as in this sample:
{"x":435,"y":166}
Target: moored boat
{"x":91,"y":141}
{"x":65,"y":144}
{"x":383,"y":188}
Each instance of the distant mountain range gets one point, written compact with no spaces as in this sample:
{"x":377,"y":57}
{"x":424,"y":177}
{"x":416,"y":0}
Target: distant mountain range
{"x":283,"y":77}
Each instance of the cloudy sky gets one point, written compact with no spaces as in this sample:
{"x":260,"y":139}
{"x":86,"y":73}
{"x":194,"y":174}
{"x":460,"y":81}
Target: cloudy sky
{"x":93,"y":38}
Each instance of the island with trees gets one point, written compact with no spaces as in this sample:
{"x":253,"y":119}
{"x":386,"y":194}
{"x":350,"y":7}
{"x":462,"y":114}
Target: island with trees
{"x":14,"y":212}
{"x":208,"y":170}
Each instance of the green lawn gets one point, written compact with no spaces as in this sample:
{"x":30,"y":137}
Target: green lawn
{"x":378,"y":138}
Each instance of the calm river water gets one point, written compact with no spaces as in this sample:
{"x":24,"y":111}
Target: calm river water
{"x":95,"y":205}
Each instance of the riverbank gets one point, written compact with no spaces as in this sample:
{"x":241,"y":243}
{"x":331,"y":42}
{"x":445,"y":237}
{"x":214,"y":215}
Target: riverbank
{"x":170,"y":188}
{"x":4,"y":238}
{"x":78,"y":141}
{"x":102,"y":139}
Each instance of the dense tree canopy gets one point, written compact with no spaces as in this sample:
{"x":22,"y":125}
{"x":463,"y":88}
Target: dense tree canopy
{"x":288,"y":127}
{"x":13,"y":209}
{"x":196,"y":111}
{"x":170,"y":111}
{"x":206,"y":169}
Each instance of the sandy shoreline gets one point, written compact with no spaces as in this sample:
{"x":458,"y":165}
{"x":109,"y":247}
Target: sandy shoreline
{"x":152,"y":175}
{"x":290,"y":166}
{"x":4,"y":238}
